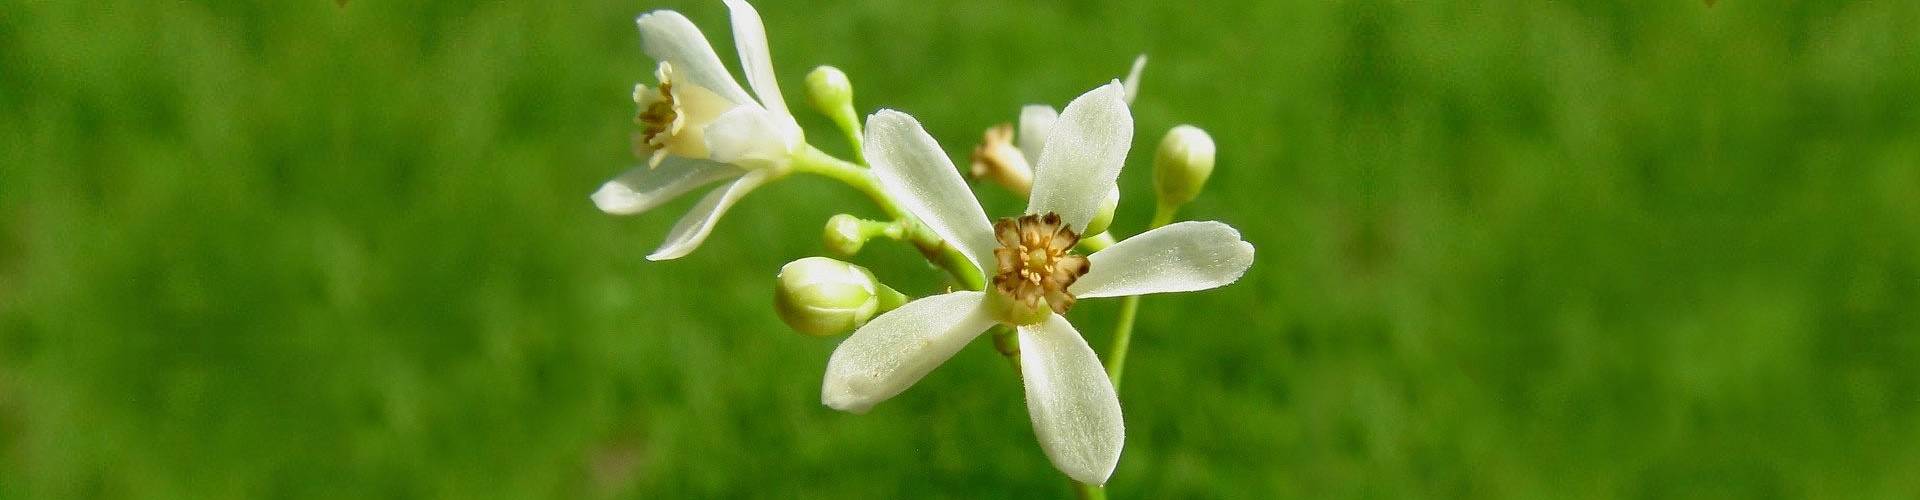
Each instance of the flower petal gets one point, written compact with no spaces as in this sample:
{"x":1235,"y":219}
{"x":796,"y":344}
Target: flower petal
{"x":1075,"y":412}
{"x":899,"y":347}
{"x":1036,"y":122}
{"x":693,"y":227}
{"x":1082,"y":158}
{"x":913,"y":169}
{"x":750,"y":36}
{"x":667,"y":36}
{"x":642,"y":188}
{"x":1132,"y":83}
{"x":747,"y":136}
{"x":1181,"y":257}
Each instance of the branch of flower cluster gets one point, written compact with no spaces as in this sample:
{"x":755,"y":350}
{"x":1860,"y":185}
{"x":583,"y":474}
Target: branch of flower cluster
{"x":699,"y":125}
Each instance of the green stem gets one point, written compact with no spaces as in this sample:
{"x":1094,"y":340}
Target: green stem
{"x":1089,"y":492}
{"x":1122,"y":339}
{"x":851,"y":127}
{"x":813,"y":161}
{"x":1162,"y":215}
{"x":1130,"y":309}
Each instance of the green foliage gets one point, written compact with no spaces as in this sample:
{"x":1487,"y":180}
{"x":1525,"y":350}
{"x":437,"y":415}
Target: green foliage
{"x":1527,"y":250}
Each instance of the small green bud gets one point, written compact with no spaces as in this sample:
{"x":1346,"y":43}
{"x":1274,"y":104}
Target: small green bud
{"x":829,"y":90}
{"x":822,"y":296}
{"x":1181,"y":166}
{"x":1104,"y":217}
{"x":845,"y":235}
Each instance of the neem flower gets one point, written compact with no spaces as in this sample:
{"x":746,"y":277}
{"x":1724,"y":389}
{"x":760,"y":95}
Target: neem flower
{"x":1075,"y":413}
{"x":699,"y":126}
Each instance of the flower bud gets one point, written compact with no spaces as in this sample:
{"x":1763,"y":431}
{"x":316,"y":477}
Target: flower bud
{"x":1181,"y":166}
{"x":1104,"y":217}
{"x":822,"y":296}
{"x":845,"y":235}
{"x":829,"y":90}
{"x":996,"y":159}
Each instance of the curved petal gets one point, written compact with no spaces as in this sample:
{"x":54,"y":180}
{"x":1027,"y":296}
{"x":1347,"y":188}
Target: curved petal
{"x":750,"y":36}
{"x":667,"y":36}
{"x":1036,"y":122}
{"x":899,"y":347}
{"x":1180,"y":257}
{"x":911,"y":166}
{"x":1075,"y":412}
{"x":1083,"y":155}
{"x":642,"y":188}
{"x":747,"y":136}
{"x":693,"y":227}
{"x":1132,"y":83}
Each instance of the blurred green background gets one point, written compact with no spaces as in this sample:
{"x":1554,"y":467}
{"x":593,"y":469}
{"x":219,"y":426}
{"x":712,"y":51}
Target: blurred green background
{"x":1511,"y":250}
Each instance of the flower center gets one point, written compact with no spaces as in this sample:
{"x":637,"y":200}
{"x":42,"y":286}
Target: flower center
{"x":1036,"y":266}
{"x":659,"y":117}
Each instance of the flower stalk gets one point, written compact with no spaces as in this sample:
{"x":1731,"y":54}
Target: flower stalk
{"x":812,"y":160}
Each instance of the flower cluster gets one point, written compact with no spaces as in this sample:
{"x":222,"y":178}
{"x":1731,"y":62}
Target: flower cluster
{"x":1018,"y":275}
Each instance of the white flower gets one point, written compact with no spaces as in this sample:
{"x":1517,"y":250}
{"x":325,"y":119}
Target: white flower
{"x":1036,"y":120}
{"x":700,"y":126}
{"x":1007,"y":155}
{"x":1075,"y":412}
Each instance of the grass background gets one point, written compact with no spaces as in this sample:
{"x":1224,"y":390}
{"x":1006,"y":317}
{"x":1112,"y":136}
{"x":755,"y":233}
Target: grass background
{"x":1607,"y":249}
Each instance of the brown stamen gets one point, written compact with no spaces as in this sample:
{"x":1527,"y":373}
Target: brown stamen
{"x":658,"y":116}
{"x":1035,"y":261}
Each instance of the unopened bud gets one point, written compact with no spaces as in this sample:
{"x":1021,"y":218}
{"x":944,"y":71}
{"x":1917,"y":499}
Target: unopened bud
{"x":829,"y":90}
{"x":844,"y":235}
{"x":1104,"y":217}
{"x":997,"y":160}
{"x":1182,"y":165}
{"x":822,"y":296}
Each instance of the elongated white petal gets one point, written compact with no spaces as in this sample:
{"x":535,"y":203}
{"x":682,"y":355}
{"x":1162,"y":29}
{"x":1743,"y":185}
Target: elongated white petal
{"x":1181,"y":257}
{"x":642,"y":188}
{"x":913,"y":169}
{"x":899,"y":347}
{"x":1036,"y":122}
{"x":1083,"y":155}
{"x":748,"y":136}
{"x":750,"y":36}
{"x":1133,"y":78}
{"x":1075,"y":412}
{"x":692,"y":229}
{"x":667,"y":36}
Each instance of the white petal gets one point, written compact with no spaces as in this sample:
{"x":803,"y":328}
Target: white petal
{"x":1180,"y":257}
{"x":693,"y":227}
{"x":750,"y":36}
{"x":1036,"y":122}
{"x":1083,"y":155}
{"x":747,"y":136}
{"x":641,"y":188}
{"x":896,"y":349}
{"x":913,"y":169}
{"x":1075,"y":412}
{"x":1133,"y":78}
{"x":667,"y":36}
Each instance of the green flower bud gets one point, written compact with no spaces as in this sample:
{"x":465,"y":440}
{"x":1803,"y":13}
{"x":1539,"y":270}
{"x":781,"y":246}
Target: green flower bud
{"x":829,"y":90}
{"x":822,"y":296}
{"x":1181,"y":166}
{"x":1104,"y":217}
{"x":845,"y":235}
